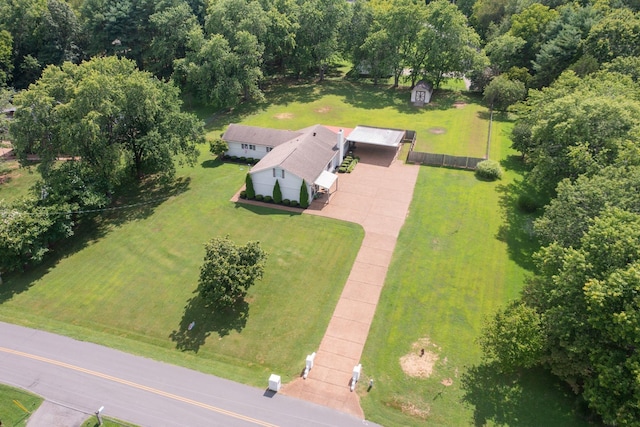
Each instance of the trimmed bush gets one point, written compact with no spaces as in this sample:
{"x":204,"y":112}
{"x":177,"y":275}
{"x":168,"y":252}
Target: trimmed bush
{"x":268,"y":199}
{"x":304,"y":195}
{"x":234,"y":158}
{"x":277,"y":193}
{"x":286,"y":202}
{"x":243,"y":194}
{"x":342,"y":169}
{"x":489,"y":170}
{"x":259,"y":197}
{"x":251,"y":193}
{"x":294,"y":203}
{"x":243,"y":160}
{"x":352,"y":165}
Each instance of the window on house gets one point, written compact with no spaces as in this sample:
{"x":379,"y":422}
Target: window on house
{"x":282,"y":173}
{"x":245,"y":146}
{"x":252,"y":147}
{"x":274,"y":172}
{"x":269,"y":149}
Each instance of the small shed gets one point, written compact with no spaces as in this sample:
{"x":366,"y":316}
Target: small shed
{"x":421,"y":93}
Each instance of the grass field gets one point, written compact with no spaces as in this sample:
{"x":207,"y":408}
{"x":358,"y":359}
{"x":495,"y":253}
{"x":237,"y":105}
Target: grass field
{"x":130,"y":284}
{"x":456,"y":261}
{"x":463,"y":252}
{"x":11,"y":414}
{"x":440,"y":126}
{"x":15,"y":181}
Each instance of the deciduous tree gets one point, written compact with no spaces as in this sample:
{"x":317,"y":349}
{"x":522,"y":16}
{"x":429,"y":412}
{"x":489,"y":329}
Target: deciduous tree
{"x":229,"y":271}
{"x":105,"y":114}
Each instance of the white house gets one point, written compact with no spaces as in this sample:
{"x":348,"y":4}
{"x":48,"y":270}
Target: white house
{"x":254,"y":142}
{"x":311,"y":154}
{"x":421,"y":93}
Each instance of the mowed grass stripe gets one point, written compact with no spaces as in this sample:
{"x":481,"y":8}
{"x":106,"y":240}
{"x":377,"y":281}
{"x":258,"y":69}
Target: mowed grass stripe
{"x":134,"y":282}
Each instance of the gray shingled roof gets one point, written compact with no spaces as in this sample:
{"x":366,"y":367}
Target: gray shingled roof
{"x":257,"y":135}
{"x":306,"y":156}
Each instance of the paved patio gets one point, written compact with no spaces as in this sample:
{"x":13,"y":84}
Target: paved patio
{"x":376,"y":195}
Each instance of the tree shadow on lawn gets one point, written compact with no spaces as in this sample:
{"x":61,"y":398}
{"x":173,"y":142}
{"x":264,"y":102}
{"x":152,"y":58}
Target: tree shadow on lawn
{"x":211,"y":163}
{"x":263,"y":208}
{"x":517,"y":229}
{"x":527,"y":398}
{"x":137,"y":202}
{"x":206,"y":318}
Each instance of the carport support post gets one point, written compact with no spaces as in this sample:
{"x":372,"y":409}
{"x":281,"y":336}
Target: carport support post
{"x":98,"y":412}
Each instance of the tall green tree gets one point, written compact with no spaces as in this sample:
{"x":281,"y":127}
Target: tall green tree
{"x":320,"y":24}
{"x":27,"y":231}
{"x":171,"y":28}
{"x":503,"y":92}
{"x":452,"y":46}
{"x":104,"y":114}
{"x":617,"y":34}
{"x":587,"y":297}
{"x":229,"y":271}
{"x":576,"y":126}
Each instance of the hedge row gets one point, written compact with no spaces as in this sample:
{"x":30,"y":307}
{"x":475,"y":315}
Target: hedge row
{"x":269,"y":199}
{"x":348,"y":164}
{"x":243,"y":160}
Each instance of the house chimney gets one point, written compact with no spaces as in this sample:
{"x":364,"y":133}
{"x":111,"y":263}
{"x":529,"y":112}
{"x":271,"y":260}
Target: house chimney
{"x":341,"y":144}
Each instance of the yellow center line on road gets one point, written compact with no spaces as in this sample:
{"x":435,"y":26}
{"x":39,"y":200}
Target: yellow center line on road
{"x":138,"y":386}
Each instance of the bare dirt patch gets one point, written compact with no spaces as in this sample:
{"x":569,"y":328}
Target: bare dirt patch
{"x":446,"y":382}
{"x":414,"y":411}
{"x":459,"y":104}
{"x":419,"y":363}
{"x":323,"y":110}
{"x":437,"y":131}
{"x":283,"y":116}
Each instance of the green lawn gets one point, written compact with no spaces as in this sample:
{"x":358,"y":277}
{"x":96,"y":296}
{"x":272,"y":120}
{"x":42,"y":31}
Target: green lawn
{"x":13,"y":401}
{"x":461,"y":254}
{"x":440,"y":126}
{"x":130,"y":284}
{"x":15,"y":181}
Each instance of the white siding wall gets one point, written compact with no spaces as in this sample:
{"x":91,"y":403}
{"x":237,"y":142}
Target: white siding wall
{"x":264,"y":181}
{"x":235,"y":149}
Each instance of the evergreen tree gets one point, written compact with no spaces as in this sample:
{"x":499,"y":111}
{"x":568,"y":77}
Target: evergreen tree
{"x":251,"y":193}
{"x":304,"y":195}
{"x":277,"y":193}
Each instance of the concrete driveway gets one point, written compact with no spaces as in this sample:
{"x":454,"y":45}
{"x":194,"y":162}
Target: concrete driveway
{"x":376,"y":195}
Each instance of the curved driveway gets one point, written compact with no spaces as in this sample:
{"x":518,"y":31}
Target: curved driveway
{"x":86,"y":376}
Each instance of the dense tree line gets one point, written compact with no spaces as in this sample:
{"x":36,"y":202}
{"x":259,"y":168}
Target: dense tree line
{"x":579,"y":134}
{"x":222,"y":50}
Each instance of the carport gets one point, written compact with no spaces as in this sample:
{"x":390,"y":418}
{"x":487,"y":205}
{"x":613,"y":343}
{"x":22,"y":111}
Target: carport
{"x":376,"y":136}
{"x":377,"y":145}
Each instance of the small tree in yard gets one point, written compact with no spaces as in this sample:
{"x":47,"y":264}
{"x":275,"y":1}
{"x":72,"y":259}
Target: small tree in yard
{"x":277,"y":193}
{"x":304,"y":195}
{"x":489,"y":170}
{"x":251,"y":193}
{"x":229,"y":271}
{"x":218,"y":147}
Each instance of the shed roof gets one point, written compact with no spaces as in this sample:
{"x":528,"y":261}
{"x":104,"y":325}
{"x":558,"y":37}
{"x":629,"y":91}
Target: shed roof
{"x":422,"y":85}
{"x":377,"y":136}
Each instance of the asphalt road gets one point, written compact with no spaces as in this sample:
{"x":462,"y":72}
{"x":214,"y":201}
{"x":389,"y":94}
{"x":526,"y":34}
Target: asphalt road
{"x":142,"y":391}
